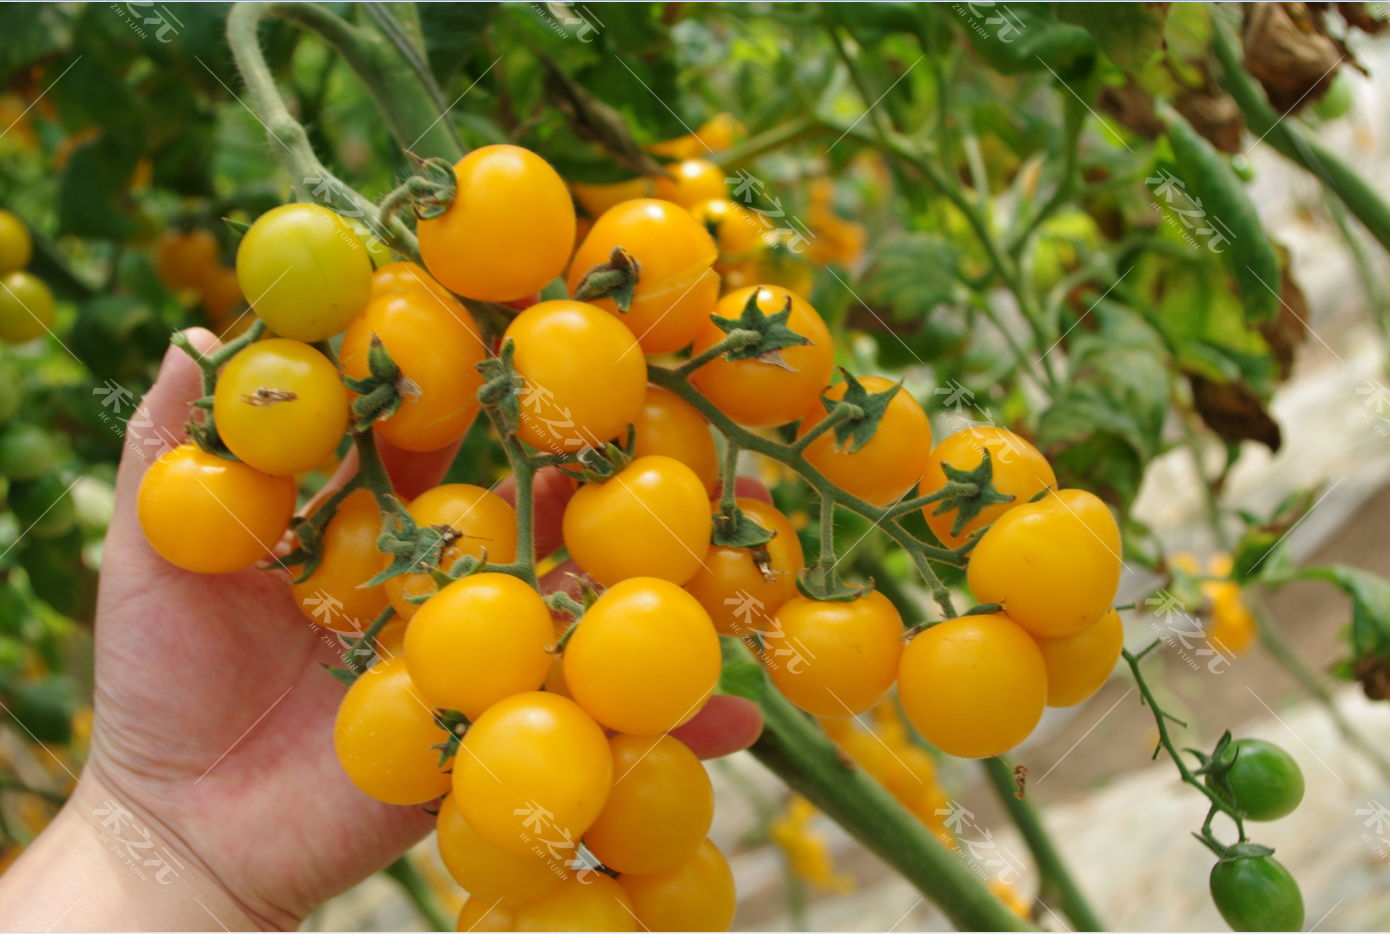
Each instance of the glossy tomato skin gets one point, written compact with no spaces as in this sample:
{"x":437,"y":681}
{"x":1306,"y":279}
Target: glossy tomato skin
{"x":207,"y":514}
{"x":436,"y":344}
{"x":574,"y":399}
{"x":734,"y":574}
{"x":1267,"y":782}
{"x":406,"y":277}
{"x":1257,"y":894}
{"x":26,"y":308}
{"x":509,"y":231}
{"x":304,"y":270}
{"x":676,"y":287}
{"x":596,"y":903}
{"x":1054,"y":565}
{"x":691,"y":181}
{"x":383,"y":734}
{"x":280,"y":406}
{"x":534,"y":749}
{"x":886,"y":467}
{"x":16,"y":246}
{"x":644,"y":658}
{"x":478,"y":914}
{"x":650,"y":519}
{"x":758,"y":394}
{"x":660,"y":808}
{"x":1077,"y":666}
{"x":597,"y":200}
{"x":1019,"y":470}
{"x":834,"y":659}
{"x":697,"y":894}
{"x":974,"y":686}
{"x":483,"y":521}
{"x":350,"y":559}
{"x":671,"y":426}
{"x":479,"y":640}
{"x":486,"y":872}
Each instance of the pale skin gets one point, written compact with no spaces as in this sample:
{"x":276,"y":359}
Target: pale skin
{"x":214,"y":730}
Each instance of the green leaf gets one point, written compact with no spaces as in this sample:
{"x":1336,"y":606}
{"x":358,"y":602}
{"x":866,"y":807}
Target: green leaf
{"x":913,"y":274}
{"x":1370,"y":605}
{"x":89,"y":201}
{"x":31,"y":31}
{"x":453,"y":33}
{"x":1128,"y":33}
{"x":741,"y":675}
{"x":772,"y":329}
{"x":1025,"y":37}
{"x":45,"y":708}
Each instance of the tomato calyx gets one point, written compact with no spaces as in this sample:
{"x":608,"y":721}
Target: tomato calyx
{"x":771,"y":330}
{"x":735,"y":529}
{"x":429,"y":195}
{"x":817,"y":582}
{"x":411,"y":546}
{"x":615,"y":279}
{"x":460,"y":569}
{"x":968,"y":492}
{"x":859,"y":426}
{"x":380,"y":394}
{"x":204,"y":433}
{"x":600,"y":466}
{"x":456,"y":725}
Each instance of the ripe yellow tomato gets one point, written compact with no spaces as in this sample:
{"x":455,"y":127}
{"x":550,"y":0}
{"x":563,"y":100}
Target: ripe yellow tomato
{"x":973,"y":686}
{"x":690,"y":182}
{"x":480,"y":639}
{"x":221,"y":297}
{"x":16,"y":246}
{"x":509,"y":231}
{"x":596,"y":903}
{"x":835,"y":659}
{"x":671,"y":426}
{"x":575,"y":400}
{"x":697,"y":894}
{"x":483,"y":521}
{"x":534,"y":767}
{"x":207,"y":514}
{"x":598,"y":199}
{"x":406,"y":277}
{"x":333,"y":596}
{"x":383,"y":734}
{"x":26,"y":308}
{"x":721,"y":131}
{"x":760,"y":394}
{"x":885,"y":468}
{"x":739,"y":235}
{"x":736,"y":593}
{"x":1053,"y":565}
{"x":659,"y":810}
{"x":280,"y":406}
{"x":487,"y":873}
{"x":436,"y":344}
{"x":1077,"y":666}
{"x":675,"y":288}
{"x":644,"y":658}
{"x":650,"y":519}
{"x":304,"y":271}
{"x":1018,"y":468}
{"x":478,"y":915}
{"x":184,"y":259}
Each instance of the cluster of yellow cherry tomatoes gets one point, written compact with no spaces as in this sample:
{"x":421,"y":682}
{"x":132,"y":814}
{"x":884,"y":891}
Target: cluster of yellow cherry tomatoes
{"x":566,"y":739}
{"x":26,"y":303}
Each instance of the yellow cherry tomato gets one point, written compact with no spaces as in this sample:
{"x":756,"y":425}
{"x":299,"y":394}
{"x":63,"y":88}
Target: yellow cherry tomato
{"x":1019,"y":470}
{"x":659,"y":810}
{"x":406,"y":277}
{"x":26,"y":308}
{"x":737,"y":232}
{"x":974,"y":686}
{"x":888,"y":465}
{"x":480,"y":521}
{"x":742,"y":588}
{"x":383,"y":734}
{"x":478,"y":915}
{"x":696,"y":894}
{"x":487,"y":873}
{"x":721,"y":132}
{"x":760,"y":394}
{"x":16,"y":246}
{"x":671,"y":426}
{"x":644,"y":658}
{"x":480,"y":639}
{"x":333,"y":596}
{"x":436,"y":344}
{"x":676,"y":288}
{"x":1053,"y":565}
{"x":598,"y":199}
{"x":834,"y":659}
{"x":596,"y":903}
{"x":650,"y":519}
{"x":304,"y":271}
{"x":509,"y":231}
{"x":575,"y":400}
{"x":533,"y":767}
{"x":1079,"y":665}
{"x":690,"y":182}
{"x":207,"y":514}
{"x":184,"y":259}
{"x":280,"y":406}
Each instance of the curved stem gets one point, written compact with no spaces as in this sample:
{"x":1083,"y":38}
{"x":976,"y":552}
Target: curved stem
{"x":405,"y":873}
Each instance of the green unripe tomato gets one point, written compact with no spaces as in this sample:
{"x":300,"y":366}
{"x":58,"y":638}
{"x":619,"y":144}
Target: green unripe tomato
{"x":1257,"y":894}
{"x":1337,"y":101}
{"x":25,"y":451}
{"x":44,"y":507}
{"x":1267,"y":783}
{"x":11,"y":392}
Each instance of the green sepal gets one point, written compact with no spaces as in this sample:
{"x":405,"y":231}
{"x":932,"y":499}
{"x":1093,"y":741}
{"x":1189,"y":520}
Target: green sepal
{"x":871,"y":406}
{"x":561,"y":602}
{"x":1247,"y":850}
{"x":818,"y":583}
{"x":379,"y":394}
{"x":738,"y":530}
{"x":564,"y":639}
{"x":976,"y":490}
{"x":411,"y":546}
{"x":239,"y":228}
{"x":502,"y":387}
{"x":615,"y":279}
{"x":773,"y":333}
{"x":461,"y":568}
{"x":597,"y":466}
{"x":310,"y":550}
{"x":431,"y":193}
{"x":740,"y":675}
{"x":456,"y":725}
{"x":983,"y":609}
{"x":344,"y":677}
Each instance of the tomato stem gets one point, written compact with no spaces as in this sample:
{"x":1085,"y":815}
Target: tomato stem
{"x":357,"y":659}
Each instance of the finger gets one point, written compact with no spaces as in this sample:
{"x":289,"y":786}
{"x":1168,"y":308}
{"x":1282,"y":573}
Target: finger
{"x":725,"y":725}
{"x":746,"y":488}
{"x":551,"y":492}
{"x":414,"y":472}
